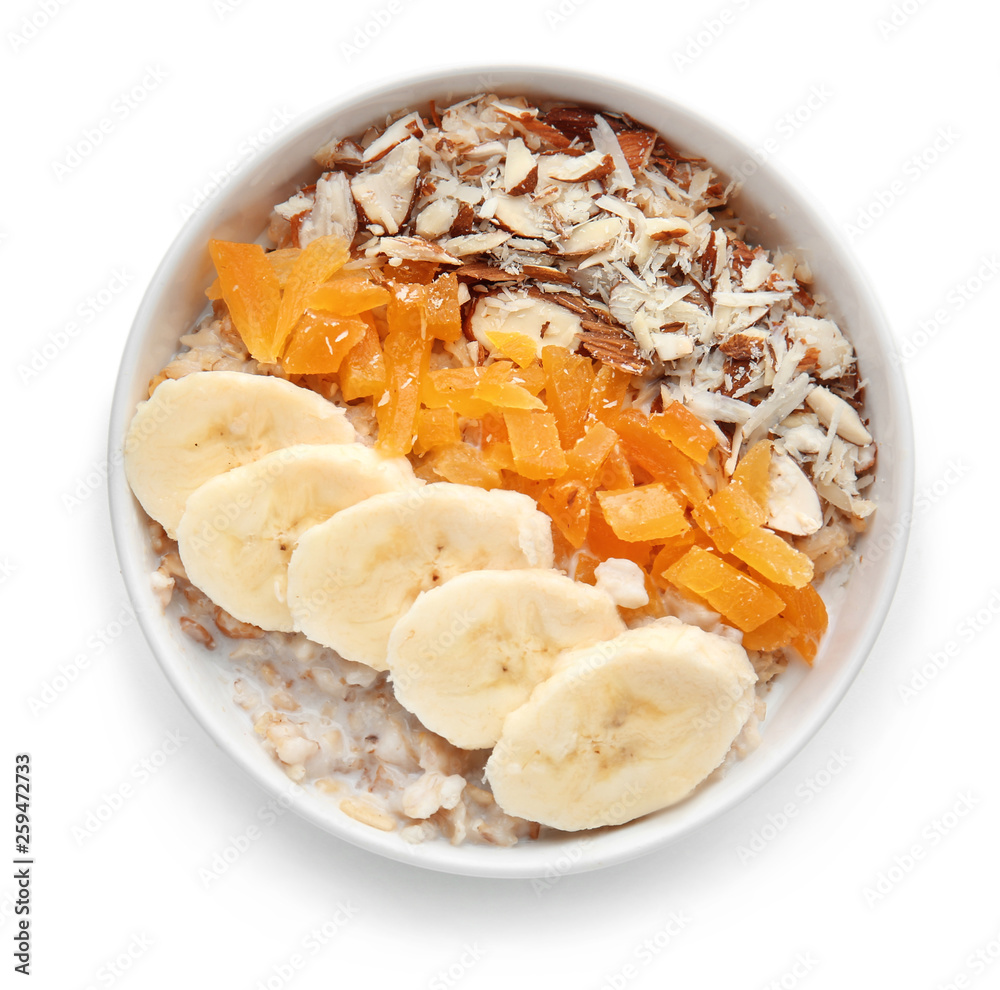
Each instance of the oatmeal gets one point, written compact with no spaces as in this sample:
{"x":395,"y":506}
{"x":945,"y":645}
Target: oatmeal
{"x":506,"y":473}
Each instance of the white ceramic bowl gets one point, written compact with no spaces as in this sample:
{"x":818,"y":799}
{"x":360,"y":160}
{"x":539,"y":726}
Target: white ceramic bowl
{"x":801,"y":700}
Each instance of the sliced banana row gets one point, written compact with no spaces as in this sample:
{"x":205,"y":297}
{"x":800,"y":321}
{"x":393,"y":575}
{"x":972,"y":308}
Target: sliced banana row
{"x":465,"y":655}
{"x":355,"y":575}
{"x":623,"y":728}
{"x":287,"y":522}
{"x":239,"y":529}
{"x":196,"y":427}
{"x":241,"y":469}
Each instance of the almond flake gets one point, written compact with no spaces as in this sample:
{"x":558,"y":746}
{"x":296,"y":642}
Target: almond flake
{"x":744,"y":300}
{"x":339,"y":154}
{"x":636,"y":147}
{"x":402,"y":130}
{"x":519,"y":215}
{"x":574,"y":122}
{"x":606,"y":143}
{"x":475,"y":243}
{"x":592,"y":236}
{"x":295,"y":205}
{"x":832,"y":408}
{"x":520,"y":170}
{"x":582,"y":168}
{"x":333,"y":211}
{"x":776,"y":407}
{"x":415,"y":249}
{"x":543,"y":273}
{"x":480,"y":272}
{"x":384,"y":191}
{"x":792,"y":504}
{"x":613,"y":346}
{"x":671,"y":346}
{"x":529,"y":121}
{"x":437,"y":218}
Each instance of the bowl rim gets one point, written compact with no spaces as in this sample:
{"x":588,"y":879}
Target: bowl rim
{"x":526,"y":860}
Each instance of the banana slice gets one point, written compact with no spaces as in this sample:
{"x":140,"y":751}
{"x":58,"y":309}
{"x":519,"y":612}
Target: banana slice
{"x":467,"y":654}
{"x":239,"y":529}
{"x":623,"y":728}
{"x":196,"y":427}
{"x":352,"y":577}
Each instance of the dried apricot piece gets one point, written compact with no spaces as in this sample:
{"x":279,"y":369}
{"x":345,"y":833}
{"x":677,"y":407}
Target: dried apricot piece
{"x":658,"y":456}
{"x":443,"y":380}
{"x":492,"y":428}
{"x":774,"y":634}
{"x":586,"y":459}
{"x":616,"y":472}
{"x":463,"y":464}
{"x":405,"y":311}
{"x":320,"y":342}
{"x":362,"y":372}
{"x":499,"y":455}
{"x":534,"y":440}
{"x":753,"y":472}
{"x":563,"y":552}
{"x":413,"y":272}
{"x":282,"y":260}
{"x":252,"y":294}
{"x":406,"y":361}
{"x":585,"y":567}
{"x":569,"y":381}
{"x":608,"y":392}
{"x":736,"y":509}
{"x":736,"y":596}
{"x":314,"y":266}
{"x":453,"y":388}
{"x":531,"y":378}
{"x":436,"y":428}
{"x":567,"y":502}
{"x":430,"y":310}
{"x":496,"y":387}
{"x":494,"y":441}
{"x":442,"y":309}
{"x":774,"y":557}
{"x":348,"y":296}
{"x":685,"y":431}
{"x":648,"y":512}
{"x":673,"y":549}
{"x":603,"y":541}
{"x":519,"y":347}
{"x":805,"y":612}
{"x":707,"y":518}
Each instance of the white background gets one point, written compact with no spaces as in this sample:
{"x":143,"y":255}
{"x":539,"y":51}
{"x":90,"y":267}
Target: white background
{"x":906,"y":98}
